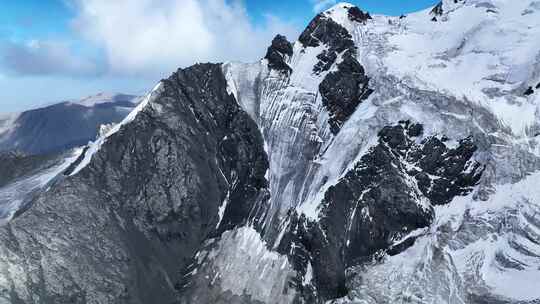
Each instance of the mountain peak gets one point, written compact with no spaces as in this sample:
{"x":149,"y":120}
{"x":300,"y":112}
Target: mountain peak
{"x":445,"y":6}
{"x":332,"y":29}
{"x":341,"y":6}
{"x":333,"y":25}
{"x":104,"y":97}
{"x":344,"y":13}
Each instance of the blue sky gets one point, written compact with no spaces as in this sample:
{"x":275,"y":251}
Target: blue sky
{"x":54,"y":50}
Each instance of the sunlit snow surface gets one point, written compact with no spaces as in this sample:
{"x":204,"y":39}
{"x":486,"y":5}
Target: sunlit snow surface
{"x":463,"y":75}
{"x":481,"y":50}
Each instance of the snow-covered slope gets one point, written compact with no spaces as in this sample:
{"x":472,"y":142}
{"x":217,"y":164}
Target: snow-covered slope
{"x":469,"y":69}
{"x":485,"y":51}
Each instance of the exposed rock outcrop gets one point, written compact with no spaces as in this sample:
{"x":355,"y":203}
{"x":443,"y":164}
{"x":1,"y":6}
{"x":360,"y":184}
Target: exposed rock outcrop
{"x":278,"y":53}
{"x":356,"y":14}
{"x":376,"y":206}
{"x":438,"y":9}
{"x":342,"y":91}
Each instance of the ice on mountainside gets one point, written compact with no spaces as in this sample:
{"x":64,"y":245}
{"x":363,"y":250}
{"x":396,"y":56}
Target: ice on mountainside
{"x":463,"y":75}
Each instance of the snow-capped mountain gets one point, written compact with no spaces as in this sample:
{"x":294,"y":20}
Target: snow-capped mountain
{"x":375,"y":160}
{"x":105,"y":97}
{"x":62,"y":126}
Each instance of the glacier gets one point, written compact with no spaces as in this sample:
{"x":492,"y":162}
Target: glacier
{"x":463,"y":74}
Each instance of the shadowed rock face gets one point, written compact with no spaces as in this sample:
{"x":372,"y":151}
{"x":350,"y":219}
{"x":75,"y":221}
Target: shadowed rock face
{"x":443,"y":173}
{"x":373,"y":208}
{"x":277,"y":54}
{"x":342,"y":91}
{"x":356,"y":14}
{"x":125,"y":227}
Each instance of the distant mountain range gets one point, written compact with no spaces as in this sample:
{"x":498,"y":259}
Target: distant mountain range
{"x":64,"y":125}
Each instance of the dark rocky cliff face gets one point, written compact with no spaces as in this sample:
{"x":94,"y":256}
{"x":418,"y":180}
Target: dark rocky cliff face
{"x":325,"y":31}
{"x":342,"y":91}
{"x":356,"y":14}
{"x":127,"y":225}
{"x":278,"y":52}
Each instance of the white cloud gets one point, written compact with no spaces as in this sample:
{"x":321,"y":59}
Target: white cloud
{"x":149,"y":36}
{"x":320,"y":5}
{"x":36,"y":57}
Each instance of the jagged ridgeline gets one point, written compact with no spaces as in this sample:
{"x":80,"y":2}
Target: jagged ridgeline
{"x":363,"y":163}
